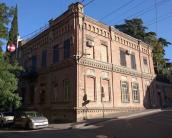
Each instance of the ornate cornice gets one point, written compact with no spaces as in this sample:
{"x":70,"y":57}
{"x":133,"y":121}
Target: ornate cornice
{"x":111,"y":67}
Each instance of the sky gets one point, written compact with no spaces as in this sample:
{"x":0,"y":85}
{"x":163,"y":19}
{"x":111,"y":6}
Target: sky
{"x":156,"y":14}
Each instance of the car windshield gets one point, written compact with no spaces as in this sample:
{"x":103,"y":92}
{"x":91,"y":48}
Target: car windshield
{"x":33,"y":114}
{"x":8,"y":114}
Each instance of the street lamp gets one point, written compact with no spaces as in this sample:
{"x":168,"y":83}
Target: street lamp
{"x":78,"y":56}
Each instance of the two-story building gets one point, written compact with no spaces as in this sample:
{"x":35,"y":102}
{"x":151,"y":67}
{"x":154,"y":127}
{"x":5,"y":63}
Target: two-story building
{"x":80,"y":68}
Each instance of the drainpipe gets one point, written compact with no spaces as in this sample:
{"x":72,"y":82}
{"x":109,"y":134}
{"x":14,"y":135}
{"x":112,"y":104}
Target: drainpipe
{"x":110,"y":29}
{"x":139,"y":41}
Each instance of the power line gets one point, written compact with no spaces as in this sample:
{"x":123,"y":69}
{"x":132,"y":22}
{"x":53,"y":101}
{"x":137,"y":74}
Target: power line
{"x":126,"y":11}
{"x":143,"y":11}
{"x":116,"y":10}
{"x":88,"y":3}
{"x":156,"y":15}
{"x":160,"y":19}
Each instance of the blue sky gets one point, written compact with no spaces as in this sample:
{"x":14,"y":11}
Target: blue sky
{"x":34,"y":14}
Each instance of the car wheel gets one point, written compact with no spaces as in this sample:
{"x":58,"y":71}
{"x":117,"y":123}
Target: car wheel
{"x":28,"y":125}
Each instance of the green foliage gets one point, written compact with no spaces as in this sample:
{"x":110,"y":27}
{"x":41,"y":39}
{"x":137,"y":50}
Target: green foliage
{"x":8,"y":72}
{"x":14,"y":29}
{"x":5,"y":14}
{"x":8,"y":85}
{"x":135,"y":27}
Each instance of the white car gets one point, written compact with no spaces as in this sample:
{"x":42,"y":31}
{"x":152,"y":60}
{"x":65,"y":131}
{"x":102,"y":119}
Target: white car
{"x":30,"y":120}
{"x":6,"y":118}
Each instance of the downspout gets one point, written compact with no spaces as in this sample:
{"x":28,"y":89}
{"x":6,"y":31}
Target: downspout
{"x":110,"y":29}
{"x":141,"y":69}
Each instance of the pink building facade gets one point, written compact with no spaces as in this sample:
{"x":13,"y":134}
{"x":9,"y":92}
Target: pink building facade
{"x":79,"y":68}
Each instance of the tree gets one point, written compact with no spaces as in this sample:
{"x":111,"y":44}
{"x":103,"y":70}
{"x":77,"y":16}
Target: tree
{"x":5,"y":14}
{"x":8,"y":72}
{"x":13,"y":33}
{"x":135,"y":27}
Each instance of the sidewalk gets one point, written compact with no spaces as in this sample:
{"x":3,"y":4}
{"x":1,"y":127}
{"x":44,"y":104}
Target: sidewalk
{"x":120,"y":115}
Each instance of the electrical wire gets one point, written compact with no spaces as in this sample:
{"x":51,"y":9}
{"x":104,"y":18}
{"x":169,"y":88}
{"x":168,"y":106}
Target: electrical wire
{"x":116,"y":10}
{"x":126,"y":11}
{"x":144,"y":11}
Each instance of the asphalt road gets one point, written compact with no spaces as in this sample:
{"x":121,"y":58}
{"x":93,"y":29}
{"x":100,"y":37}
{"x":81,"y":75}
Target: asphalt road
{"x":152,"y":126}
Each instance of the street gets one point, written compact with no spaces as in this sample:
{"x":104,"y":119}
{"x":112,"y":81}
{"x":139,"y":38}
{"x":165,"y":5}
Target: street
{"x":157,"y":125}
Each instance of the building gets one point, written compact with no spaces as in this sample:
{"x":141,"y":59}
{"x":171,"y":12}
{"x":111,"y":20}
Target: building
{"x":80,"y":68}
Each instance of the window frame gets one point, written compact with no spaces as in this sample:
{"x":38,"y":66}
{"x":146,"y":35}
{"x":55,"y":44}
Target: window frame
{"x":44,"y":58}
{"x":67,"y":95}
{"x":109,"y":89}
{"x":56,"y":54}
{"x":135,"y":92}
{"x":95,"y":92}
{"x":123,"y":63}
{"x":133,"y":65}
{"x":125,"y":94}
{"x":67,"y":48}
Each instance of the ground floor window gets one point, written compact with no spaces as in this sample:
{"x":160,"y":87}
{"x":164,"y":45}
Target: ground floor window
{"x":124,"y":92}
{"x":67,"y":89}
{"x":90,"y":88}
{"x":135,"y":92}
{"x":105,"y":90}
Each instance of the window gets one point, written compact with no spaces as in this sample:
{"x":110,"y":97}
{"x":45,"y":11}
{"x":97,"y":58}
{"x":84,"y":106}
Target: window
{"x":123,"y":58}
{"x":67,"y":49}
{"x":31,"y":93}
{"x":42,"y":96}
{"x":90,"y":88}
{"x":105,"y":90}
{"x":135,"y":92}
{"x":34,"y":63}
{"x":103,"y":53}
{"x":133,"y":61}
{"x":145,"y":62}
{"x":145,"y":65}
{"x":124,"y":92}
{"x":55,"y":92}
{"x":56,"y":54}
{"x":44,"y":58}
{"x":67,"y":90}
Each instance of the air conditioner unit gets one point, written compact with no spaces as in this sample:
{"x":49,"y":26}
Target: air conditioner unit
{"x":128,"y":52}
{"x":90,"y":43}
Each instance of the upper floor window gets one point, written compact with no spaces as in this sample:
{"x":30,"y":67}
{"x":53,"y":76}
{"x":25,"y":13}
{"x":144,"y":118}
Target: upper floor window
{"x":44,"y":58}
{"x":103,"y":53}
{"x":124,"y":92}
{"x":67,"y":49}
{"x":145,"y":62}
{"x":145,"y":65}
{"x":34,"y":63}
{"x":123,"y":58}
{"x":56,"y":55}
{"x":133,"y":61}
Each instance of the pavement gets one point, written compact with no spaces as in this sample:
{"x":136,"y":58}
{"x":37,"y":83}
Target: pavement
{"x":115,"y":116}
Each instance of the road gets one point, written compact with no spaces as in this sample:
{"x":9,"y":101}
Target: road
{"x":152,"y":126}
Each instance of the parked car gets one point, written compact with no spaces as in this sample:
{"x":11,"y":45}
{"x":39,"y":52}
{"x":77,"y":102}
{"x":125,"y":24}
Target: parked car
{"x":30,"y":120}
{"x":6,"y":118}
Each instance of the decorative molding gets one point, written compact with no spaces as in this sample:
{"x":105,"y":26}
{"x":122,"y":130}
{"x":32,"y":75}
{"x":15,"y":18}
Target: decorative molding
{"x":114,"y":68}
